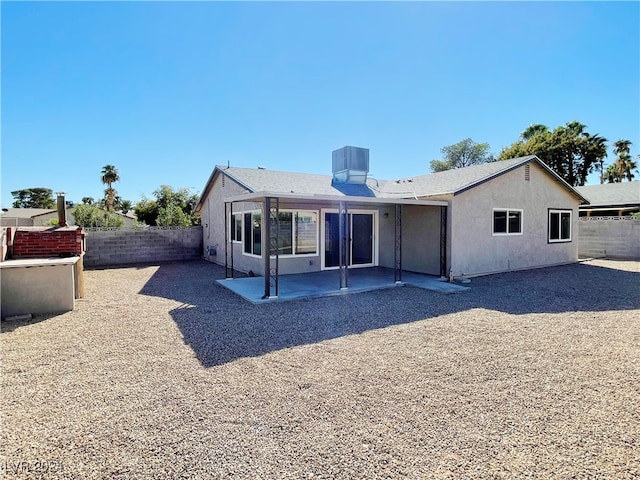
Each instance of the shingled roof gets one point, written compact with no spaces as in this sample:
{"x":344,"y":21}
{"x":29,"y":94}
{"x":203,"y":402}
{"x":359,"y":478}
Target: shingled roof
{"x":450,"y":182}
{"x":612,"y":194}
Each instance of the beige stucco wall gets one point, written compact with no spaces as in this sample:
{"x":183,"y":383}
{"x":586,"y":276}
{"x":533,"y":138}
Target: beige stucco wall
{"x":421,"y":233}
{"x":421,"y":239}
{"x":475,"y":251}
{"x":37,"y":286}
{"x":212,"y":217}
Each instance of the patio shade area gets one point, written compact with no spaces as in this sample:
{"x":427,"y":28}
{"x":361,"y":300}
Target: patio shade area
{"x":327,"y":283}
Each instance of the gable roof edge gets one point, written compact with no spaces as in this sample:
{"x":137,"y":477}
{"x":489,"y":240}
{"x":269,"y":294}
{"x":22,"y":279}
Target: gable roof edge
{"x":209,"y":185}
{"x":525,"y":160}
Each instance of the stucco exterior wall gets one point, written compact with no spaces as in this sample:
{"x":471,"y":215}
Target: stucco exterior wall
{"x":475,"y":251}
{"x":611,"y":237}
{"x":212,"y":217}
{"x":421,"y":239}
{"x":37,"y":286}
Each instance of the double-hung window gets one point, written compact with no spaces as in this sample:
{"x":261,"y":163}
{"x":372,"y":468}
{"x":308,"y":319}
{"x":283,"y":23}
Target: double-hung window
{"x":507,"y":221}
{"x":559,"y":226}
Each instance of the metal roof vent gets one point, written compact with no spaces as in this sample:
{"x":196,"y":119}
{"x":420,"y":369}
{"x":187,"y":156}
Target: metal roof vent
{"x":350,"y":165}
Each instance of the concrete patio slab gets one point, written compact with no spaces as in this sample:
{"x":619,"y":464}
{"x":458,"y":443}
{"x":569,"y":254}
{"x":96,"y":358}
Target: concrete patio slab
{"x":327,"y":283}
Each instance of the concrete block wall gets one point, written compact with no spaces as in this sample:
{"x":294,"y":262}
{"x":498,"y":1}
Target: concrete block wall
{"x":611,"y":237}
{"x":150,"y":245}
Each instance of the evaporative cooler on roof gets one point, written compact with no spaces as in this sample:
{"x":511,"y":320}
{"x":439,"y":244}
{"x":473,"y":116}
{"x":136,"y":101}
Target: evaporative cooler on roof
{"x":350,"y":165}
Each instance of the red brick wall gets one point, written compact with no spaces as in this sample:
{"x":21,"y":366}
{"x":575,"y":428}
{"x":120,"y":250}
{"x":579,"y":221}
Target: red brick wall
{"x":43,"y":242}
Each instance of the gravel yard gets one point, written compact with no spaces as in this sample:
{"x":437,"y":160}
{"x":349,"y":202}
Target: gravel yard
{"x":162,"y":373}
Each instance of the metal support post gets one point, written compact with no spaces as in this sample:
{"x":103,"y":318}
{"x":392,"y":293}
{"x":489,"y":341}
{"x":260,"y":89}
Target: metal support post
{"x":398,"y":243}
{"x":343,"y":221}
{"x":443,"y":241}
{"x":271,"y":229}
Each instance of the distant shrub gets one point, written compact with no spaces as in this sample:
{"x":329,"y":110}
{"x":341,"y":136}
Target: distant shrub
{"x":91,"y":216}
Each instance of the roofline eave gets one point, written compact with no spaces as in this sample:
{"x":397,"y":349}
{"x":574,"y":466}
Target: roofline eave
{"x":261,"y":195}
{"x":209,"y":185}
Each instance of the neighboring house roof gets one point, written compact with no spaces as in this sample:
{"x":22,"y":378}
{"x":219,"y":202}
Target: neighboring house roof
{"x":612,"y":194}
{"x":49,"y":212}
{"x":26,"y":212}
{"x":130,"y":214}
{"x":450,"y":182}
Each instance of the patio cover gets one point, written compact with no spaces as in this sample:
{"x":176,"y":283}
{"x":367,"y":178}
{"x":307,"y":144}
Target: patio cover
{"x":271,"y":205}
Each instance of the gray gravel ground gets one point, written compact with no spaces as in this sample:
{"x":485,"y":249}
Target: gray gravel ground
{"x":162,"y":373}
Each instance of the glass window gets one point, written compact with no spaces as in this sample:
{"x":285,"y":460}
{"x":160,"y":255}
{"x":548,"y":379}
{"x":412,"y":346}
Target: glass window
{"x":560,"y":226}
{"x":507,"y":222}
{"x":253,"y":233}
{"x":306,"y":232}
{"x":297,"y":232}
{"x":235,"y":230}
{"x":285,"y":235}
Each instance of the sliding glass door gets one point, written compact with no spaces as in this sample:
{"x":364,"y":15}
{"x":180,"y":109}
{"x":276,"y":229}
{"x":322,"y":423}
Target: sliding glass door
{"x":361,"y":249}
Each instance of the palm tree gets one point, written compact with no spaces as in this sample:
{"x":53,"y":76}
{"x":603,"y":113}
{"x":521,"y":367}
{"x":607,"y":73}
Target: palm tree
{"x":125,"y":206}
{"x":110,"y":175}
{"x":621,"y":147}
{"x":533,"y":130}
{"x":624,"y":165}
{"x":593,"y":149}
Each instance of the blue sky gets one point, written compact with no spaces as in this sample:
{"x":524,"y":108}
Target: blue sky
{"x":165,"y":91}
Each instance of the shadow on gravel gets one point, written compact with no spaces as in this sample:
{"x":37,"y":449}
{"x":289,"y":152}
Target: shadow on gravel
{"x":221,"y":327}
{"x":7,"y":326}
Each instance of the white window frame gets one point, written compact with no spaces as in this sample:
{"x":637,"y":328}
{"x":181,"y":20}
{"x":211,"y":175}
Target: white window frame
{"x":507,"y":233}
{"x":559,"y":211}
{"x":376,"y":237}
{"x":293,"y":234}
{"x":251,"y":212}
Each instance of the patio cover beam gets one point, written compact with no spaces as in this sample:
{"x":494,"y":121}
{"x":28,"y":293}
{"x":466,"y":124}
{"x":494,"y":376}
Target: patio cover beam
{"x":336,"y":199}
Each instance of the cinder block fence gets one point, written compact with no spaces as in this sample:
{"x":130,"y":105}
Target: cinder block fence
{"x":611,"y":237}
{"x":117,"y":246}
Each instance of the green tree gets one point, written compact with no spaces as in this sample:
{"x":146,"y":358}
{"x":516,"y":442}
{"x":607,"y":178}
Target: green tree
{"x":91,"y":216}
{"x":110,"y":175}
{"x":88,"y":200}
{"x":569,"y":150}
{"x":624,"y":165}
{"x":37,"y":197}
{"x":172,"y":216}
{"x":533,"y":130}
{"x":125,"y":206}
{"x":148,"y":211}
{"x":462,"y":154}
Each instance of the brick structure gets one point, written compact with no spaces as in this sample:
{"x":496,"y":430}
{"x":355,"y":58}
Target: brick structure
{"x":46,"y":242}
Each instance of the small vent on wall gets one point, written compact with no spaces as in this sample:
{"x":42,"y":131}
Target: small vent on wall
{"x":527,"y":172}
